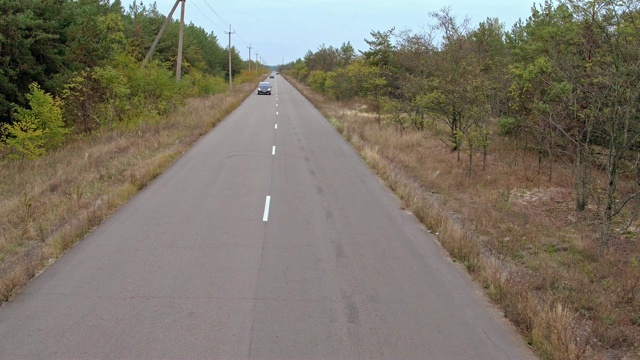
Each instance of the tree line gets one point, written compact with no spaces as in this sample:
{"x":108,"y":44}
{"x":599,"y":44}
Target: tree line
{"x":75,"y":66}
{"x":564,"y":83}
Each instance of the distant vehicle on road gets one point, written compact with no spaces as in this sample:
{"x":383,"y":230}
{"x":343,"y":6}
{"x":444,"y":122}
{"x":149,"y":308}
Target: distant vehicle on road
{"x":272,"y":76}
{"x":264,"y":88}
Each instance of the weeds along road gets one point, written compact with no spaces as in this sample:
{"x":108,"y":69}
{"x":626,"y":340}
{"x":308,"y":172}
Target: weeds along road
{"x":268,"y":239}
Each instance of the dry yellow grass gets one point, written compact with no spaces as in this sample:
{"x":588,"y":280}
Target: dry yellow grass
{"x":48,"y":204}
{"x":517,"y":233}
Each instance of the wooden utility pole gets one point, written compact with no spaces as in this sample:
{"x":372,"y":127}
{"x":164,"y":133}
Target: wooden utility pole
{"x":230,"y":32}
{"x":249,"y":56}
{"x":180,"y":37}
{"x":164,"y":26}
{"x":162,"y":29}
{"x":257,"y":62}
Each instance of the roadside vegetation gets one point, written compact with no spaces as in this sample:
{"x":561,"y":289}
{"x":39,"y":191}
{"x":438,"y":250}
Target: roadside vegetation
{"x":519,"y":149}
{"x":72,"y":67}
{"x":84,"y":124}
{"x":49,"y":203}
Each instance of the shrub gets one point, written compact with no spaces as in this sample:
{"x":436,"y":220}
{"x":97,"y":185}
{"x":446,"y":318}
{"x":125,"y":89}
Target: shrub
{"x":202,"y":85}
{"x":317,"y":80}
{"x":123,"y":94}
{"x":37,"y":129}
{"x":245,"y":76}
{"x":339,"y":85}
{"x":114,"y":102}
{"x":24,"y":139}
{"x":155,"y":87}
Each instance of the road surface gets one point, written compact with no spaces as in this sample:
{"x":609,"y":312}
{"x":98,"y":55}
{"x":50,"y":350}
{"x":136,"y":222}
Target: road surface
{"x":269,"y":239}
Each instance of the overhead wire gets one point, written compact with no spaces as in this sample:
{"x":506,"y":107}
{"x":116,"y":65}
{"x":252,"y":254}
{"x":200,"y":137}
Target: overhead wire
{"x":206,"y":17}
{"x":241,"y":39}
{"x":218,"y":15}
{"x":220,"y":18}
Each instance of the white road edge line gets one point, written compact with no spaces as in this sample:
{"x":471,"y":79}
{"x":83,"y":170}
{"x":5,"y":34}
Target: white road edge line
{"x":267,"y":203}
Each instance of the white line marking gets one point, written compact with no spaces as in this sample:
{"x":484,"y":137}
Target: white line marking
{"x":276,"y":126}
{"x":276,"y":105}
{"x":276,"y":113}
{"x":273,"y":151}
{"x":267,"y":203}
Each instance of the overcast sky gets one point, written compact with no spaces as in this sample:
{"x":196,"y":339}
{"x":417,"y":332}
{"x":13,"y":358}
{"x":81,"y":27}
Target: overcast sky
{"x":284,"y":30}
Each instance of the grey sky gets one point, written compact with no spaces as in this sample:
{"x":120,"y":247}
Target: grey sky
{"x":285,"y":30}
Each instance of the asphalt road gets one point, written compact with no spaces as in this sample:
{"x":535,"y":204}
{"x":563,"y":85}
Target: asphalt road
{"x":269,"y":239}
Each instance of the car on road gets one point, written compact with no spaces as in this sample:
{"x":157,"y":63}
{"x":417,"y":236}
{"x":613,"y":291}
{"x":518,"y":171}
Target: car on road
{"x":271,"y":76}
{"x":264,"y":88}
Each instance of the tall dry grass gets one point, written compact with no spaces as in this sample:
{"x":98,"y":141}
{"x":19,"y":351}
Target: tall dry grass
{"x":48,"y":204}
{"x":516,"y":231}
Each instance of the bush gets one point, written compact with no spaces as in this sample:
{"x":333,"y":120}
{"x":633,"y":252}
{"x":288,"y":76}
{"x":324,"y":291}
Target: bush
{"x":114,"y":101}
{"x":37,"y":129}
{"x":244,"y":77}
{"x":340,"y":85}
{"x":124,"y":94}
{"x":155,"y":87}
{"x":23,"y":139}
{"x":202,"y":85}
{"x":317,"y":80}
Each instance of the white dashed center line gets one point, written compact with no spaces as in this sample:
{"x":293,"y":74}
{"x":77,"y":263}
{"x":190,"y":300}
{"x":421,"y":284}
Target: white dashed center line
{"x":267,"y":203}
{"x":273,"y":151}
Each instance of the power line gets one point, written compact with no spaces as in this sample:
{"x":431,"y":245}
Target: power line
{"x":219,"y":17}
{"x":206,"y":17}
{"x":241,"y":39}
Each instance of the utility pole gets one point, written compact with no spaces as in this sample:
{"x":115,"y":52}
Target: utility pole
{"x":180,"y":38}
{"x":164,"y":26}
{"x":257,"y":62}
{"x":230,"y":32}
{"x":249,"y":56}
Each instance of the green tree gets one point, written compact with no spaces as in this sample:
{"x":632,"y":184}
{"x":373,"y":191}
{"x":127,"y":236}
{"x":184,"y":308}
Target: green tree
{"x":351,"y":81}
{"x":299,"y":70}
{"x":610,"y":34}
{"x":381,"y":49}
{"x":31,"y":48}
{"x":36,"y":129}
{"x":89,"y":34}
{"x":457,"y":94}
{"x":324,"y":59}
{"x":23,"y":139}
{"x":317,"y":80}
{"x":489,"y":44}
{"x":549,"y":78}
{"x":415,"y":62}
{"x":346,"y":54}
